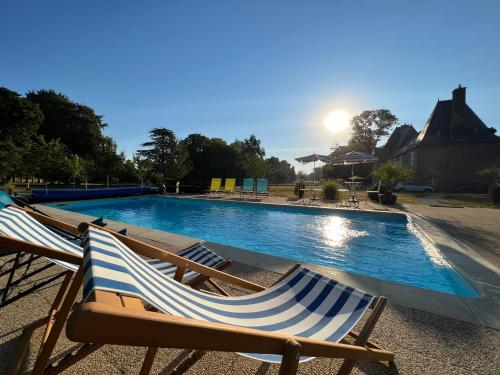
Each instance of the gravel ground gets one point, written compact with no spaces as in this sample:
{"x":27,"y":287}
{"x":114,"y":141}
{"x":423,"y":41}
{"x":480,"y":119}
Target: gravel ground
{"x":423,"y":343}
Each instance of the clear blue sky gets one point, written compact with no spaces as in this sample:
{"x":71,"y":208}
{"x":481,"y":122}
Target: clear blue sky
{"x":274,"y":68}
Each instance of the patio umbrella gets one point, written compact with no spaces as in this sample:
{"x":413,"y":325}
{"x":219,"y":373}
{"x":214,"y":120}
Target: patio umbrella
{"x":313,"y":159}
{"x":352,"y":158}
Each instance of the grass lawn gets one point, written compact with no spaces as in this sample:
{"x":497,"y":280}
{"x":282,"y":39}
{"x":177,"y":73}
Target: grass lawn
{"x":282,"y":190}
{"x":467,"y":200}
{"x":447,"y":199}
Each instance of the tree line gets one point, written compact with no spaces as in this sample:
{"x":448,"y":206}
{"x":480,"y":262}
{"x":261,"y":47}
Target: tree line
{"x":46,"y":135}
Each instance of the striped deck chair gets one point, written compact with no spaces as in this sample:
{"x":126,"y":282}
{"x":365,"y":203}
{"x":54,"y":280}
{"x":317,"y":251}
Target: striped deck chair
{"x":22,"y":266}
{"x":20,"y":229}
{"x":302,"y":316}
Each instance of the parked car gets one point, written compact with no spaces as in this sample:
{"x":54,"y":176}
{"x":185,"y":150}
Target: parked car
{"x":414,"y":187}
{"x":472,"y":187}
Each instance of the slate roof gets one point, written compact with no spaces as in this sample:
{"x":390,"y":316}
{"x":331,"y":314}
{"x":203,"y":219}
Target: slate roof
{"x":448,"y":124}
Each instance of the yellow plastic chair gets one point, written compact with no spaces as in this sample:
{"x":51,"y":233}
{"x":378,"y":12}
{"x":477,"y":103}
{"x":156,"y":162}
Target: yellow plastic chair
{"x":215,"y":185}
{"x":229,"y":185}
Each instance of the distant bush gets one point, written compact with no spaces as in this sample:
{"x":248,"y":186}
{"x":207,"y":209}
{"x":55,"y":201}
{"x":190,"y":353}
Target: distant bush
{"x":330,"y":190}
{"x":495,"y":193}
{"x":9,"y":187}
{"x":297,"y":190}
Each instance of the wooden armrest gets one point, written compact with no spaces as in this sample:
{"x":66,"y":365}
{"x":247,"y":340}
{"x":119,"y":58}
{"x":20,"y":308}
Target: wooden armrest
{"x":102,"y":323}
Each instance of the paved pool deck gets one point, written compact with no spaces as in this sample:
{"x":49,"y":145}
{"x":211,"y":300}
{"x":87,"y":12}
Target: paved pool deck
{"x":429,"y":333}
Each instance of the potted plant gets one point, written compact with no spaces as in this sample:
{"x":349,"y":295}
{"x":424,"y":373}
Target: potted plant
{"x":390,"y":173}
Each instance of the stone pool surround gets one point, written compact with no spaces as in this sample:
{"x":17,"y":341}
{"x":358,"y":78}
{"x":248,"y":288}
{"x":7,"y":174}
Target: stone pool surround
{"x":482,"y":275}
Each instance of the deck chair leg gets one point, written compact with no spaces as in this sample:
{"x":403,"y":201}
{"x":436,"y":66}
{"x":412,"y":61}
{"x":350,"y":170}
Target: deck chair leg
{"x":6,"y":290}
{"x":148,"y":361}
{"x":55,"y":305}
{"x":290,"y":361}
{"x":184,"y":362}
{"x":60,"y":318}
{"x":363,"y":336}
{"x":217,"y":287}
{"x":27,"y":332}
{"x":24,"y":340}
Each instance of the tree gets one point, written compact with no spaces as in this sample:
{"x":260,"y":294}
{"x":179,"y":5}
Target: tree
{"x":107,"y":162}
{"x":390,"y":173}
{"x":250,"y":146}
{"x":368,"y":128}
{"x":74,"y":124}
{"x":169,"y":156}
{"x":53,"y":163}
{"x":280,"y":171}
{"x":19,"y":121}
{"x":87,"y":170}
{"x":255,"y":166}
{"x":142,"y":166}
{"x":11,"y":158}
{"x":198,"y":146}
{"x":75,"y":168}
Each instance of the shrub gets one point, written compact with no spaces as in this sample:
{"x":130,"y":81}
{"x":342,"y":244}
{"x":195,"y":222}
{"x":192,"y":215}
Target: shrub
{"x":9,"y":187}
{"x":330,"y":189}
{"x":495,"y":193}
{"x":390,"y":173}
{"x":297,"y":190}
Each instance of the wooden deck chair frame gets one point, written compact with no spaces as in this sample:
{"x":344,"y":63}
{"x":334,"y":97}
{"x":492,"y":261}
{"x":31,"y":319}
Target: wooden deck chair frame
{"x":109,"y":318}
{"x":67,"y":294}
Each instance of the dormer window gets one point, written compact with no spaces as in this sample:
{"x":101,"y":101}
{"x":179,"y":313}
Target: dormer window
{"x":437,"y":133}
{"x":475,"y":131}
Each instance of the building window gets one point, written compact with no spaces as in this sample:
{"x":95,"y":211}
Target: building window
{"x":438,"y":133}
{"x":413,"y":158}
{"x":475,"y":131}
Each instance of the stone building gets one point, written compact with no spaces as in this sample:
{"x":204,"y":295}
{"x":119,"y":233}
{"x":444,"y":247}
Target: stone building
{"x":453,"y":147}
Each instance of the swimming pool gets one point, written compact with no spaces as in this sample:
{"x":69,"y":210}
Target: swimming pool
{"x":384,"y":246}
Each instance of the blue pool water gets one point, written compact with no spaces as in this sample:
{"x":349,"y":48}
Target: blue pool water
{"x":384,"y":246}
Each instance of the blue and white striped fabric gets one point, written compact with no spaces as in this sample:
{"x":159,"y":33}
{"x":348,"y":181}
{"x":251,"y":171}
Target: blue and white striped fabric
{"x":15,"y":223}
{"x":18,"y":224}
{"x":305,"y":304}
{"x":197,"y":253}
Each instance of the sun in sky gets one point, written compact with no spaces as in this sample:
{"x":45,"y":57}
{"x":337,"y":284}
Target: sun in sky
{"x":337,"y":121}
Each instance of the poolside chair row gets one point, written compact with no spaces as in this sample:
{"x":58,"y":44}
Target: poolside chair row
{"x":249,"y":186}
{"x":229,"y":186}
{"x":259,"y":189}
{"x":128,"y":300}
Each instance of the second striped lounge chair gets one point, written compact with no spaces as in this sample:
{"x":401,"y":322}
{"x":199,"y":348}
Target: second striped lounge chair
{"x":302,"y":316}
{"x":19,"y":228}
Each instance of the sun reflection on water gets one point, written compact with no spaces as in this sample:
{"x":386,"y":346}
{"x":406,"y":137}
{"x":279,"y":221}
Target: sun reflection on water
{"x":336,"y":231}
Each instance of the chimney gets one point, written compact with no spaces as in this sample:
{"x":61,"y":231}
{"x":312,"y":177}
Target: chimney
{"x":458,"y":99}
{"x":457,"y":113}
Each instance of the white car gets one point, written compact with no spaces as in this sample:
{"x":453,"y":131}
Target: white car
{"x":414,"y":187}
